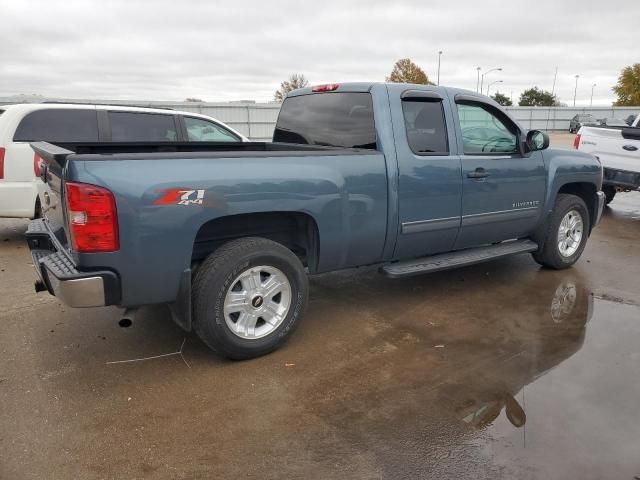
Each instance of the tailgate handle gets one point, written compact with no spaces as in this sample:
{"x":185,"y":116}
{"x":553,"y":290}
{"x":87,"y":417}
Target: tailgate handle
{"x":478,"y":173}
{"x":630,"y":148}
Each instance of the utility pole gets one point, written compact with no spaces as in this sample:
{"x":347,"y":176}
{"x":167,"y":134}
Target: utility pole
{"x":591,"y":102}
{"x":575,"y":90}
{"x":439,"y":55}
{"x":478,"y":80}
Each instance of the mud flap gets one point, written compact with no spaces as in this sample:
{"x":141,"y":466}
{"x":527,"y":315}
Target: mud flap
{"x":181,"y":308}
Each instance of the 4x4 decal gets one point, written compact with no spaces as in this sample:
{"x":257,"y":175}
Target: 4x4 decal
{"x":180,"y":196}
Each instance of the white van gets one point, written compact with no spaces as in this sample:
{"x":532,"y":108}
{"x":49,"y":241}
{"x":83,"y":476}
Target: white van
{"x":20,"y":184}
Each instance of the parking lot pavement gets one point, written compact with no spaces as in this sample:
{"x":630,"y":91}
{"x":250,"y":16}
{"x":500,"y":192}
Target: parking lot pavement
{"x":501,"y":370}
{"x":561,"y":139}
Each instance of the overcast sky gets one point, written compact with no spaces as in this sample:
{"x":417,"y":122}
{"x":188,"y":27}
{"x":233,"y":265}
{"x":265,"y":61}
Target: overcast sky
{"x":242,"y":49}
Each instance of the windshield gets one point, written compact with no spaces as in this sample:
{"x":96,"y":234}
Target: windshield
{"x":331,"y":119}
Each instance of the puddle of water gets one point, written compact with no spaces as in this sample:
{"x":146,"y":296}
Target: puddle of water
{"x":581,"y":417}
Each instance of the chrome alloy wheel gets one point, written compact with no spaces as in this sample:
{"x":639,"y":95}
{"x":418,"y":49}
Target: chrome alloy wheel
{"x":570,"y":233}
{"x":257,"y":302}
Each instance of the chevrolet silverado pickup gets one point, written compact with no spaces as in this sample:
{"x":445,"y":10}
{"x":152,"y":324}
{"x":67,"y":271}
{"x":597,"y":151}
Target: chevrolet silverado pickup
{"x":413,"y":178}
{"x":619,"y":151}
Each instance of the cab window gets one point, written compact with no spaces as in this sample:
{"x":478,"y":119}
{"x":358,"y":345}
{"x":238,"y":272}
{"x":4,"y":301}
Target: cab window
{"x":425,"y":126}
{"x":483,"y":131}
{"x":200,"y":130}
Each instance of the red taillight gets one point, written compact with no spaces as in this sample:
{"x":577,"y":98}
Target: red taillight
{"x":329,"y":87}
{"x":576,"y":142}
{"x":36,"y":165}
{"x":2,"y":162}
{"x":92,"y":217}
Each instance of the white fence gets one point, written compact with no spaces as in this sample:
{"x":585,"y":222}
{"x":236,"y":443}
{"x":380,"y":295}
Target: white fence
{"x":257,"y":120}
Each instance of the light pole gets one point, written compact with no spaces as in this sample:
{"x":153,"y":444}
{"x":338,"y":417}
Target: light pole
{"x":591,"y":102}
{"x":499,"y":69}
{"x":575,"y":90}
{"x":439,"y":55}
{"x":478,"y":80}
{"x":492,"y":83}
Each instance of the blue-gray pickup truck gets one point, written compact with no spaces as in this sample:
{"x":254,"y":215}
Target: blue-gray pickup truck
{"x":414,"y":178}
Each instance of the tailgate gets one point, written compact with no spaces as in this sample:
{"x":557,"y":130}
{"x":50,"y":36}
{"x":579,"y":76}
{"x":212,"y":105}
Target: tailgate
{"x":53,"y":165}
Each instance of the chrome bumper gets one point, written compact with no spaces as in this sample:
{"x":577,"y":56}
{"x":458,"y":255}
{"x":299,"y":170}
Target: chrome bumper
{"x":58,"y":274}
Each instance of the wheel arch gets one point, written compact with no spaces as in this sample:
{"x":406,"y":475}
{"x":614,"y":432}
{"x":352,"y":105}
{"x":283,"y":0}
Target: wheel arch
{"x":298,"y":231}
{"x":587,"y":192}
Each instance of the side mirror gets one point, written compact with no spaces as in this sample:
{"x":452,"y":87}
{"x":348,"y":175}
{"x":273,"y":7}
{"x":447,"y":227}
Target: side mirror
{"x":537,"y":140}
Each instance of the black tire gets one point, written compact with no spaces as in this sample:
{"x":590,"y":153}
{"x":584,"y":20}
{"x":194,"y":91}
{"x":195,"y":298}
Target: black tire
{"x":214,"y":278}
{"x":549,"y":255}
{"x":609,"y":193}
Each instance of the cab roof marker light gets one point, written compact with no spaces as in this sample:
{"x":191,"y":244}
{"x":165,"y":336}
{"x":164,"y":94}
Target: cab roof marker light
{"x":328,"y":87}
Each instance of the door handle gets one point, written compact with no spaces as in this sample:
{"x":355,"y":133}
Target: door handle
{"x":630,"y":148}
{"x":478,"y":173}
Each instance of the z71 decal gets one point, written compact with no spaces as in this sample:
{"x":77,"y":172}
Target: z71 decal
{"x":180,"y":196}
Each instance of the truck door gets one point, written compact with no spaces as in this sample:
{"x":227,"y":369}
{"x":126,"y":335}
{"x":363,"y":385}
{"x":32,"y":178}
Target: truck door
{"x":502,"y":190}
{"x":429,"y":185}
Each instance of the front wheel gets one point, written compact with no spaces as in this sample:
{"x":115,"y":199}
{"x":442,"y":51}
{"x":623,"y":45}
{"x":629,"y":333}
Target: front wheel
{"x":566,"y":235}
{"x":248,"y":297}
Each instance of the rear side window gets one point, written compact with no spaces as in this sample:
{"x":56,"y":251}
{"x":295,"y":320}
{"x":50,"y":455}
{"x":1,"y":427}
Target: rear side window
{"x":142,"y":127}
{"x":425,"y":125}
{"x":331,"y":119}
{"x":58,"y":125}
{"x":200,"y":130}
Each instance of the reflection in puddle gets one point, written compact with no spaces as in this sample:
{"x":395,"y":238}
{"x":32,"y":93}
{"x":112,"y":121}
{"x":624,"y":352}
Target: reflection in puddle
{"x":507,"y":385}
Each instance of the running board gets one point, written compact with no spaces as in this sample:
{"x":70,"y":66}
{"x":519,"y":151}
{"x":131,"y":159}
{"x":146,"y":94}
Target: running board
{"x":469,"y":256}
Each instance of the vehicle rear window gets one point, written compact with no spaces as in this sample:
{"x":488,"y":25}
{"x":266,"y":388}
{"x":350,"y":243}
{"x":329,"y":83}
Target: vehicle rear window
{"x":142,"y":127}
{"x":425,"y":125}
{"x":58,"y":125}
{"x":331,"y":119}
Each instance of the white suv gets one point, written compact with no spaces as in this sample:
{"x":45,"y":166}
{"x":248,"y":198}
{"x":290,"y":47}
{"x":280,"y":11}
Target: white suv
{"x":20,"y":184}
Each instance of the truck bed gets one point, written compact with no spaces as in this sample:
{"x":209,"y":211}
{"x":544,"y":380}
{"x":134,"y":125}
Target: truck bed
{"x":59,"y":152}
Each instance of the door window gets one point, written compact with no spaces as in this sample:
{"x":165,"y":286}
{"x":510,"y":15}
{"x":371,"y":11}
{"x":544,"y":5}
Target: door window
{"x":200,"y":130}
{"x":425,"y":126}
{"x":483,"y":131}
{"x":58,"y":125}
{"x":142,"y":127}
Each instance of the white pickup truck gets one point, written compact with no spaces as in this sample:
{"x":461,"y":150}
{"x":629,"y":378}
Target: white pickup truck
{"x":618,"y":148}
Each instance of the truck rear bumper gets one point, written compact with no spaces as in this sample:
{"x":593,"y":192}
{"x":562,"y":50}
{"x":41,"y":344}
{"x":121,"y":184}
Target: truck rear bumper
{"x":56,"y":270}
{"x":621,"y":178}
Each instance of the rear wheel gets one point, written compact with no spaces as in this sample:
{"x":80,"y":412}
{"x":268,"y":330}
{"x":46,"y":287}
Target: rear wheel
{"x":248,"y":297}
{"x":567,"y":232}
{"x":609,"y":193}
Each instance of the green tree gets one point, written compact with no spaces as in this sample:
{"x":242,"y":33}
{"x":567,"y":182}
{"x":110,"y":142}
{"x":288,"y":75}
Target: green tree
{"x":295,"y":81}
{"x":405,"y":71}
{"x":535,"y":97}
{"x":628,"y":87}
{"x":502,"y":99}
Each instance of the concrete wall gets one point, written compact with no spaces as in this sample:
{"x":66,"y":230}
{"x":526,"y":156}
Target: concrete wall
{"x":257,"y":120}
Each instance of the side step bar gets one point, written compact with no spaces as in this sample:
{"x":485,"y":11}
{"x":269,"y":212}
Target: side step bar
{"x":469,"y":256}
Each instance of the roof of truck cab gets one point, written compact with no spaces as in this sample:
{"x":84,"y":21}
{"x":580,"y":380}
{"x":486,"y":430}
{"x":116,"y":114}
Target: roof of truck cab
{"x":363,"y":87}
{"x":367,"y":86}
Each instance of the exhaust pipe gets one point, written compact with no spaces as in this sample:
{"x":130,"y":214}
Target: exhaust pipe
{"x":128,"y":317}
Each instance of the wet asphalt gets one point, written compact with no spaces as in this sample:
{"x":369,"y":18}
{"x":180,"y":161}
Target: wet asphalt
{"x":500,"y":370}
